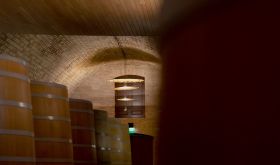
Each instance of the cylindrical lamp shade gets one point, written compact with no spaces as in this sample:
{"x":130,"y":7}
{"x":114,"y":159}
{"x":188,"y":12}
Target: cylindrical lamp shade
{"x":16,"y":126}
{"x":53,"y":139}
{"x":129,"y":96}
{"x":83,"y":132}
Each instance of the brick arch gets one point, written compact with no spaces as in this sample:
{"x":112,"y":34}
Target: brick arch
{"x":92,"y":61}
{"x":95,"y":86}
{"x":62,"y":58}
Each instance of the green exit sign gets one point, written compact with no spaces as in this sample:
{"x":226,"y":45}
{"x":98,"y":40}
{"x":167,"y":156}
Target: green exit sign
{"x":131,"y":130}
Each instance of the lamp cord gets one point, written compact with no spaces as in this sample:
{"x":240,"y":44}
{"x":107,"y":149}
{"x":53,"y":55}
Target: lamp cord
{"x":125,"y":61}
{"x":123,"y":53}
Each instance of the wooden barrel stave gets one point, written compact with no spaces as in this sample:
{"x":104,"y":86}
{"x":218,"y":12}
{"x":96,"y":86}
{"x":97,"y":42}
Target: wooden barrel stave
{"x":51,"y":112}
{"x":16,"y":127}
{"x":115,"y":137}
{"x":127,"y":159}
{"x":83,"y":132}
{"x":10,"y":147}
{"x":102,"y":137}
{"x":83,"y":153}
{"x":11,"y":64}
{"x":87,"y":119}
{"x":15,"y":89}
{"x":54,"y":150}
{"x":52,"y":128}
{"x":54,"y":108}
{"x":83,"y":137}
{"x":15,"y":114}
{"x":120,"y":143}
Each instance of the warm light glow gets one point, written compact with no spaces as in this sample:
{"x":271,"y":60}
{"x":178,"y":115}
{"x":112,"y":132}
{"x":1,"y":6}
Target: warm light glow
{"x":127,"y":80}
{"x":125,"y":99}
{"x":126,"y":88}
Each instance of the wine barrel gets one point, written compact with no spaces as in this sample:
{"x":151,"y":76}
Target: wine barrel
{"x":127,"y":159}
{"x":53,"y":139}
{"x":83,"y":132}
{"x":16,"y":126}
{"x":102,"y":137}
{"x":120,"y":143}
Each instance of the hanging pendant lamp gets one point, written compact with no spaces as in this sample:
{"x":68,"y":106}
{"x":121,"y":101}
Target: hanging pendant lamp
{"x":125,"y":88}
{"x":127,"y":78}
{"x":125,"y":99}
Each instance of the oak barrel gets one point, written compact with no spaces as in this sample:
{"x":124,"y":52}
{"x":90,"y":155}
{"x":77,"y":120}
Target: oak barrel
{"x":53,"y":138}
{"x":16,"y":126}
{"x":83,"y":132}
{"x":102,"y":137}
{"x":127,"y":159}
{"x":120,"y":143}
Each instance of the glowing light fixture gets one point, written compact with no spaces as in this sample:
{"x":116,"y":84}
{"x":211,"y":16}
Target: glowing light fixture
{"x":125,"y":88}
{"x":126,"y":80}
{"x":125,"y":99}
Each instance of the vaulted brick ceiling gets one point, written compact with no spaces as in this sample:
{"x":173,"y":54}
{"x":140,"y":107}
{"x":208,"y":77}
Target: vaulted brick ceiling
{"x":68,"y":59}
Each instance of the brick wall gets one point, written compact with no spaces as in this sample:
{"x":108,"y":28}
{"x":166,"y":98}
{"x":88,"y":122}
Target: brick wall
{"x":63,"y":59}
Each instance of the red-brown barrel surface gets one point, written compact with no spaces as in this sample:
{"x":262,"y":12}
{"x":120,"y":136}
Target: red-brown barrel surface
{"x":16,"y":126}
{"x":83,"y":132}
{"x":53,"y":138}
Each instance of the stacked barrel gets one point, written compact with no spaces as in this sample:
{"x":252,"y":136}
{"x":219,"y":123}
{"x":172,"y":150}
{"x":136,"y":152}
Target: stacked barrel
{"x":16,"y":127}
{"x":126,"y":145}
{"x":112,"y":139}
{"x":102,"y":137}
{"x":38,"y":127}
{"x":83,"y":132}
{"x":53,"y":139}
{"x":120,"y":143}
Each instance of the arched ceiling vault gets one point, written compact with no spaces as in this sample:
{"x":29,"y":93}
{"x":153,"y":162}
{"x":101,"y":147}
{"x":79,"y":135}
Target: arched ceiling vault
{"x":109,"y":61}
{"x":68,"y":59}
